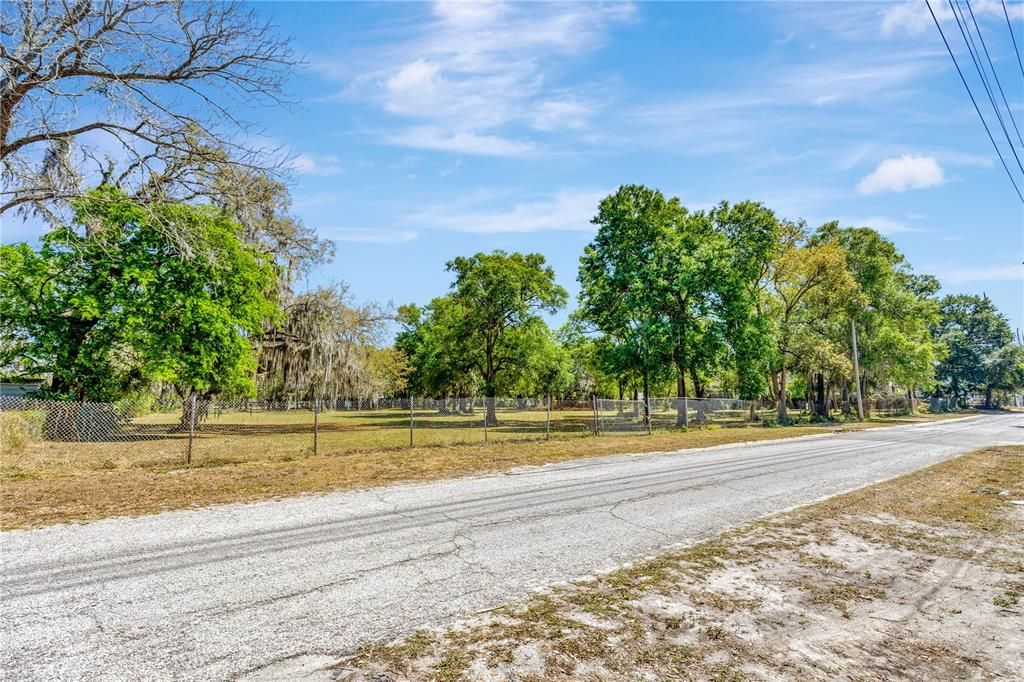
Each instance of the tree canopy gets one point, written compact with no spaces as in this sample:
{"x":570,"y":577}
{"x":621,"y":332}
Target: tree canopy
{"x":980,"y":354}
{"x":112,"y":312}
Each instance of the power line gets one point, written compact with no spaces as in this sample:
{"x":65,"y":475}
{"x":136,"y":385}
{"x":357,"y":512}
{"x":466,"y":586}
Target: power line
{"x":971,"y":48}
{"x":973,"y":101}
{"x":1016,"y":49}
{"x":995,"y":75}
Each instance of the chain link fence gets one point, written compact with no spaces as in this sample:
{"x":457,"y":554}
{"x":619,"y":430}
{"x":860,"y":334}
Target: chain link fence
{"x":638,"y":416}
{"x":207,"y":432}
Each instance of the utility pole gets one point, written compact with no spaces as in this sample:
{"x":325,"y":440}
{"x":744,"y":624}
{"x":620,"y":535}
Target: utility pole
{"x":856,"y":370}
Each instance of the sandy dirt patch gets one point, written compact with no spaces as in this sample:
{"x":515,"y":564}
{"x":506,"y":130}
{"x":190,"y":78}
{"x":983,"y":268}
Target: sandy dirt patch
{"x":917,"y":578}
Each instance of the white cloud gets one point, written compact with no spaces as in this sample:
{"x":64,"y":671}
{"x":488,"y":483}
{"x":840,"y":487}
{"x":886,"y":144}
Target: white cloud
{"x":468,"y":14}
{"x":478,"y":68}
{"x":994,"y":273}
{"x":556,"y":114}
{"x":882,"y":224}
{"x":414,"y":85}
{"x":568,"y":210}
{"x":439,"y":139}
{"x":902,"y":173}
{"x":367,"y":235}
{"x":786,"y":105}
{"x":913,"y":18}
{"x":964,"y":158}
{"x":316,"y":164}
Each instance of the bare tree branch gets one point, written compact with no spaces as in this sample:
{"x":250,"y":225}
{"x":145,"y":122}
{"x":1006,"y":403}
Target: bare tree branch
{"x":159,"y":78}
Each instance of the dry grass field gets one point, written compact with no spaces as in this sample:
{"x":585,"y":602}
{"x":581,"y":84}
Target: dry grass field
{"x":239,"y":456}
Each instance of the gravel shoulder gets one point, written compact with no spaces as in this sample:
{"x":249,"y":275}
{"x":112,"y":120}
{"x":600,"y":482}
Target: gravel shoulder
{"x":920,"y":577}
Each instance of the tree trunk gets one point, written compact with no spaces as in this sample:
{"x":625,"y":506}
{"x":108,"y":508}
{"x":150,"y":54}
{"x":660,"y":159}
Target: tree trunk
{"x":680,"y":393}
{"x":821,"y":403}
{"x":698,"y":387}
{"x":988,"y":397}
{"x":781,"y":397}
{"x":202,"y":408}
{"x":491,"y":416}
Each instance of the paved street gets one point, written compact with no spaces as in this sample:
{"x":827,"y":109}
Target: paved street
{"x":228,"y":591}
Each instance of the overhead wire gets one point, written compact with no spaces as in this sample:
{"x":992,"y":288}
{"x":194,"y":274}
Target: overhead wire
{"x":1013,"y":38}
{"x":970,"y":94}
{"x":995,"y":74}
{"x":971,"y":48}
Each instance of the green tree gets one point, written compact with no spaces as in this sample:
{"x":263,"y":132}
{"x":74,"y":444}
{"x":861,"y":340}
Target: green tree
{"x":808,"y":283}
{"x":110,"y":312}
{"x":896,"y":312}
{"x":441,"y":362}
{"x":753,"y":233}
{"x":501,"y":296}
{"x":623,"y":283}
{"x":975,"y":335}
{"x":588,"y":375}
{"x":1003,"y":371}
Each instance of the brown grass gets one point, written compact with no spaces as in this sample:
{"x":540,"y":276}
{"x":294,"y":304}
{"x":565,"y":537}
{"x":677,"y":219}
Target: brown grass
{"x":961,"y":491}
{"x":51,"y":490}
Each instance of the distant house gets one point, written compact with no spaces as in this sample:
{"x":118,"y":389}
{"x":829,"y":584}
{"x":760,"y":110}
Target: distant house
{"x":20,"y":389}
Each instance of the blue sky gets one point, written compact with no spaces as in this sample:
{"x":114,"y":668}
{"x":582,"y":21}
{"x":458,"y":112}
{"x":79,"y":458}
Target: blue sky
{"x":425,"y":131}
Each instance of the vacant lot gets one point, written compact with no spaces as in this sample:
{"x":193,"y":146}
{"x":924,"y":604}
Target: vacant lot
{"x":97,"y":436}
{"x":921,"y":577}
{"x":48,"y":482}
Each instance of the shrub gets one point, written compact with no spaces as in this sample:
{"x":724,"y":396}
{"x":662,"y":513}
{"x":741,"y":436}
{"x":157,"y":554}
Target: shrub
{"x":18,"y":430}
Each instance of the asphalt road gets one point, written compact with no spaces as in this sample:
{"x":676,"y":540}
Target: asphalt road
{"x":271,"y":589}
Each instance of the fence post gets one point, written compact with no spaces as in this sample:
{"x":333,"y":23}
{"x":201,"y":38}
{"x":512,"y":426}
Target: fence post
{"x":486,"y":407}
{"x":191,"y":429}
{"x":647,"y":413}
{"x":547,"y":420}
{"x":411,"y":399}
{"x":316,"y":426}
{"x":686,"y":414}
{"x":597,"y":424}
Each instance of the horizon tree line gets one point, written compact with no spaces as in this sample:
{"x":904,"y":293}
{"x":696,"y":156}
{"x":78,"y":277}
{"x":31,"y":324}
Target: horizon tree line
{"x":728,"y":301}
